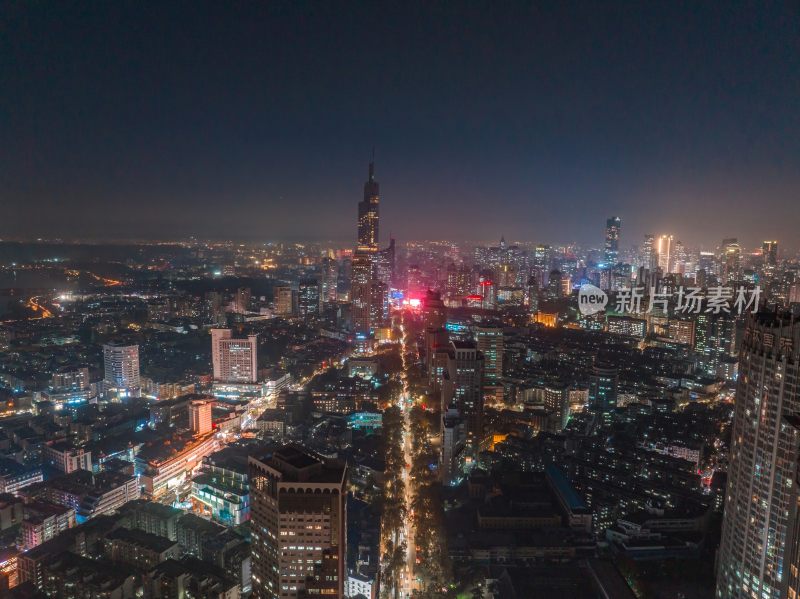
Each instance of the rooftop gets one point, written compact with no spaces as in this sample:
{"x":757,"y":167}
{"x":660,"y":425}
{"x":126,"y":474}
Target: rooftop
{"x":141,"y":538}
{"x":565,"y":488}
{"x":297,"y":464}
{"x":12,"y":468}
{"x":150,"y":507}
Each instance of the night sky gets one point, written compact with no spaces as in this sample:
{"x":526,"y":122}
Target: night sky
{"x":531,"y":120}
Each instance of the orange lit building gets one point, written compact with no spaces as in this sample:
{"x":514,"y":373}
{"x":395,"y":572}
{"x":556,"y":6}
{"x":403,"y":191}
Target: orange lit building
{"x":548,"y":319}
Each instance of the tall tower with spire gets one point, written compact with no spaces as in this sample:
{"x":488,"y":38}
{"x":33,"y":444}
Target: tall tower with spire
{"x":368,"y":213}
{"x":367,"y":292}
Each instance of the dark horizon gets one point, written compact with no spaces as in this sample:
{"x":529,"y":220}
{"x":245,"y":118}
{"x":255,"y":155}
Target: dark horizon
{"x":537,"y":123}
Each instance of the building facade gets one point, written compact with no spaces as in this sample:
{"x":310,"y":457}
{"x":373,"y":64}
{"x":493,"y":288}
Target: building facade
{"x":121,"y":365}
{"x":298,"y":515}
{"x":200,"y":417}
{"x":234,"y":360}
{"x":762,"y":490}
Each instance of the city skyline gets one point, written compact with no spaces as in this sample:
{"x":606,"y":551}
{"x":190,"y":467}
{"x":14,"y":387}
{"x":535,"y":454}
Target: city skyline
{"x":399,"y":300}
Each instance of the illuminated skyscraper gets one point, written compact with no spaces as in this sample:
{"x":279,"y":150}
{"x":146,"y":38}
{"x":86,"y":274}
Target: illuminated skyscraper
{"x":285,"y":301}
{"x":241,"y":301}
{"x":793,"y":545}
{"x":555,"y":284}
{"x":603,"y":388}
{"x":361,"y":291}
{"x":433,"y":310}
{"x":384,"y":269}
{"x":649,"y":258}
{"x":769,"y":251}
{"x":680,"y":258}
{"x":368,"y":214}
{"x":532,"y":294}
{"x":489,"y":341}
{"x":308,"y":298}
{"x":464,"y":386}
{"x":762,"y":489}
{"x":378,"y":305}
{"x":706,"y":267}
{"x":121,"y":364}
{"x":452,"y":446}
{"x":730,"y":259}
{"x":611,"y":248}
{"x":328,"y":279}
{"x":451,"y":283}
{"x":368,"y":293}
{"x":298,"y":525}
{"x":556,"y":402}
{"x":542,"y":263}
{"x":715,"y":342}
{"x":665,"y":257}
{"x":234,"y":360}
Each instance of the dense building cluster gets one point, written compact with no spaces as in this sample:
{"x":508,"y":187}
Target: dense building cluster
{"x":425,"y":419}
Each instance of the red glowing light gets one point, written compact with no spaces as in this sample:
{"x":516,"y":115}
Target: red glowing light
{"x":486,"y":283}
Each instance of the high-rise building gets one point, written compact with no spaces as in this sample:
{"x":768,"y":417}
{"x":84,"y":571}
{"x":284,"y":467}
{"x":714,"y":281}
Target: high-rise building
{"x":715,"y":342}
{"x":328,"y":279}
{"x":542,"y":264}
{"x":611,"y":247}
{"x":433,"y":310}
{"x":532,"y":294}
{"x":794,"y":294}
{"x":792,"y":556}
{"x":664,"y":250}
{"x":464,"y":387}
{"x":308,"y":299}
{"x":74,"y":379}
{"x":121,"y":365}
{"x":298,"y":525}
{"x":368,"y":216}
{"x":555,"y":284}
{"x":214,"y":308}
{"x":361,"y":291}
{"x":603,"y":382}
{"x":649,"y":258}
{"x":385,"y":265}
{"x":378,"y":305}
{"x":368,"y":293}
{"x":680,"y":258}
{"x":464,"y":280}
{"x":762,"y":488}
{"x":452,"y":447}
{"x":769,"y":252}
{"x":489,"y":341}
{"x":200,"y":417}
{"x":730,"y":260}
{"x":435,"y":339}
{"x":285,"y":300}
{"x":487,"y":290}
{"x":241,"y":301}
{"x":234,"y":360}
{"x":556,"y":402}
{"x":451,"y":283}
